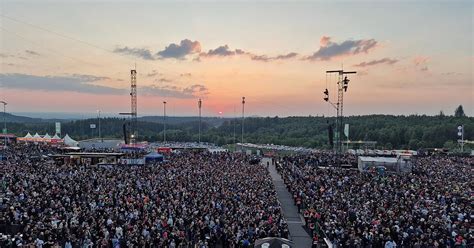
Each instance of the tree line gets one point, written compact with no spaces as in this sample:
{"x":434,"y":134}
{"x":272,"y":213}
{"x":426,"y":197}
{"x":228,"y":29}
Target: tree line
{"x":390,"y":132}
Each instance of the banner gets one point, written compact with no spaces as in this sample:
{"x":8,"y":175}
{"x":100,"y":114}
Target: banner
{"x":92,"y":126}
{"x":346,"y":130}
{"x":132,"y":161}
{"x":58,"y":128}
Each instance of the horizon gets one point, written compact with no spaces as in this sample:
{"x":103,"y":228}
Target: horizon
{"x":84,"y":116}
{"x":76,"y":57}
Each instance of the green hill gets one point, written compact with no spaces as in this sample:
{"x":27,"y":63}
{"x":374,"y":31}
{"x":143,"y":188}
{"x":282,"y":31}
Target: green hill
{"x":389,"y":131}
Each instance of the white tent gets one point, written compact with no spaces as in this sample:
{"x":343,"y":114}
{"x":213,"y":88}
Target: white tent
{"x":46,"y":136}
{"x":27,"y":138}
{"x":37,"y":138}
{"x":69,"y":141}
{"x":56,"y":137}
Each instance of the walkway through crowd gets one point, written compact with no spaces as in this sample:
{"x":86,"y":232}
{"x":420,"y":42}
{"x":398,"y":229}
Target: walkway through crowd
{"x":290,"y":211}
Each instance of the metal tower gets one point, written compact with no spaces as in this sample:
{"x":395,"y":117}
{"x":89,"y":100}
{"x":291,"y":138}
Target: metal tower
{"x":133,"y":132}
{"x":133,"y":96}
{"x":199,"y":105}
{"x":243,"y":119}
{"x":164,"y":121}
{"x":342,"y":84}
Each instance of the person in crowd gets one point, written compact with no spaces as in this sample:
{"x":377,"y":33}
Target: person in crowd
{"x":429,"y":207}
{"x":191,"y":200}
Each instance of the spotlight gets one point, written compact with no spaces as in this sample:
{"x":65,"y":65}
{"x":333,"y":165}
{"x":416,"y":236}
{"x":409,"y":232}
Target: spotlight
{"x":326,"y":95}
{"x":346,"y":83}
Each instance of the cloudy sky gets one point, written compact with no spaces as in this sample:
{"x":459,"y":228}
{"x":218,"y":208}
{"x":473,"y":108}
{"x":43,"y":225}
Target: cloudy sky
{"x":412,"y":57}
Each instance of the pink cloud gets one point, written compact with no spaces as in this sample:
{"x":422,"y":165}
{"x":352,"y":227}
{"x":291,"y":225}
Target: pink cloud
{"x":324,"y":41}
{"x":420,"y":60}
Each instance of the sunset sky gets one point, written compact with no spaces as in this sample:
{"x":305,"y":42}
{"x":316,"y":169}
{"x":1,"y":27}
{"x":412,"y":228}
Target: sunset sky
{"x":412,"y":57}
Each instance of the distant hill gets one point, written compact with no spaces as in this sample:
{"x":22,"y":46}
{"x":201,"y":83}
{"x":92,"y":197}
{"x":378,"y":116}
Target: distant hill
{"x":20,"y":119}
{"x":212,"y":121}
{"x":414,"y":131}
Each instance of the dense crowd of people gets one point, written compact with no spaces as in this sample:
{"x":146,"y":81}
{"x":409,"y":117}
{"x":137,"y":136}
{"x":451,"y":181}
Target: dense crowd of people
{"x":191,"y":200}
{"x":227,"y":200}
{"x":430,"y":207}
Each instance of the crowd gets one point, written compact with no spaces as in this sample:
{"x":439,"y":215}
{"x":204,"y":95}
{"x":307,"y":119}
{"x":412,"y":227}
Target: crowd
{"x":321,"y":159}
{"x":192,"y":200}
{"x":430,"y":207}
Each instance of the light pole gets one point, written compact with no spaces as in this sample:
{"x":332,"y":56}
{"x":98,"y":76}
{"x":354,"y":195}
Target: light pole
{"x":199,"y":105}
{"x":100,"y":135}
{"x":342,"y":85}
{"x":461,"y":135}
{"x":243,"y":118}
{"x":235,"y":122}
{"x":4,"y":122}
{"x":164,"y":121}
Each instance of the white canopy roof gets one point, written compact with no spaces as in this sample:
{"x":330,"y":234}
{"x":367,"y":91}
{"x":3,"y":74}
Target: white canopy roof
{"x":37,"y":136}
{"x":69,"y":141}
{"x":28,"y":135}
{"x":378,"y":159}
{"x":46,"y":136}
{"x":56,"y":137}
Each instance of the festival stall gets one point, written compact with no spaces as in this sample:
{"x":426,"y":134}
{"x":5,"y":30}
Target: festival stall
{"x":8,"y":138}
{"x":27,"y":138}
{"x":56,"y":139}
{"x":69,"y":141}
{"x":153,"y":157}
{"x":37,"y":138}
{"x":47,"y":138}
{"x":166,"y":150}
{"x":397,"y":164}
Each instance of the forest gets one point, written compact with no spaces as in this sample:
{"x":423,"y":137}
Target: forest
{"x":390,"y":132}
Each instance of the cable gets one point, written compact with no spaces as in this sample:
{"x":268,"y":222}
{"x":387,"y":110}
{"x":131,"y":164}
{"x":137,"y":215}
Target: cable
{"x":53,"y":32}
{"x":51,"y":50}
{"x":78,"y":40}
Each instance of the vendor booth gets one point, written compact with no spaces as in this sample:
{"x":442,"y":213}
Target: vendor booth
{"x":56,"y":139}
{"x":166,"y":150}
{"x":37,"y":138}
{"x":153,"y":158}
{"x":47,"y":138}
{"x":389,"y":164}
{"x":69,"y":141}
{"x":9,"y":138}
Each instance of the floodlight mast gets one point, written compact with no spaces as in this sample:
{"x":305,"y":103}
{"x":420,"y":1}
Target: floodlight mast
{"x":164,"y":121}
{"x":4,"y":123}
{"x":199,"y":106}
{"x":243,"y":119}
{"x":133,"y":94}
{"x":133,"y":107}
{"x":342,"y":85}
